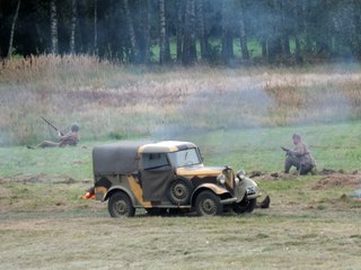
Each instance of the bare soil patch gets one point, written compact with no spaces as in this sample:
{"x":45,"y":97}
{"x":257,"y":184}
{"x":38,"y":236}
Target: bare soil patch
{"x":338,"y":180}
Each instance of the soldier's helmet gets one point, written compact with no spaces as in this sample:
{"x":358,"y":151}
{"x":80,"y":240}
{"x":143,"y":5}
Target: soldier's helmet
{"x":75,"y":127}
{"x":296,"y":136}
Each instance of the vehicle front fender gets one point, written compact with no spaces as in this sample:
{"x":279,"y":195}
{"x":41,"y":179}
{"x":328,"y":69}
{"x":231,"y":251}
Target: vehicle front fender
{"x":248,"y":187}
{"x":209,"y":186}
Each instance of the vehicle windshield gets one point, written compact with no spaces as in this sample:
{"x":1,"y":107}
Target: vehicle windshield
{"x":184,"y":158}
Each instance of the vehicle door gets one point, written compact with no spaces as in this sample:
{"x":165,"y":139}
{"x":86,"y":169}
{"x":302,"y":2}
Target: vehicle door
{"x":155,"y":175}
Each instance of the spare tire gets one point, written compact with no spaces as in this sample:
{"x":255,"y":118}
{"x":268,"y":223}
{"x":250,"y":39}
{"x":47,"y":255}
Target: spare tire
{"x":180,"y":191}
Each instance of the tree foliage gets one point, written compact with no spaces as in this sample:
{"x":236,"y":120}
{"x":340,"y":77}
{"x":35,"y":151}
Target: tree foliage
{"x":185,"y":31}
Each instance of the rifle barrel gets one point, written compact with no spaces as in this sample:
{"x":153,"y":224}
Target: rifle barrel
{"x":52,"y":125}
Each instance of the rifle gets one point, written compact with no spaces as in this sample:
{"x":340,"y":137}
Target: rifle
{"x":288,"y":152}
{"x":53,"y":126}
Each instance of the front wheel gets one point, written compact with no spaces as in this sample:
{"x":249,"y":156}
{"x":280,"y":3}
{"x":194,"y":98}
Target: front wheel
{"x":245,"y":206}
{"x":119,"y":205}
{"x":208,"y":204}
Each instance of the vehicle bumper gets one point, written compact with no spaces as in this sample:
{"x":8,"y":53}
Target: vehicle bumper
{"x":253,"y":196}
{"x":229,"y":201}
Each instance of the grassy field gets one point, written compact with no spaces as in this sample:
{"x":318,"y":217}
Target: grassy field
{"x":312,"y":222}
{"x":239,"y":117}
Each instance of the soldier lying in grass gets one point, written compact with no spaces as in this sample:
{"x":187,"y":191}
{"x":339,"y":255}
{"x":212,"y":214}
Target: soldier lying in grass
{"x":71,"y":138}
{"x":300,"y":157}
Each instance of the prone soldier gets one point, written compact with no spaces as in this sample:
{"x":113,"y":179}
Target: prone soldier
{"x":70,"y":138}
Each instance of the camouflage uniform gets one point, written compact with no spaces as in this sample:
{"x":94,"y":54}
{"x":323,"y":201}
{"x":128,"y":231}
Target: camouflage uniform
{"x":301,"y":158}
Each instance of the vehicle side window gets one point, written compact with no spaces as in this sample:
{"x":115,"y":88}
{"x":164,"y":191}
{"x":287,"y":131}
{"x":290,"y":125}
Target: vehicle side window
{"x":152,"y":161}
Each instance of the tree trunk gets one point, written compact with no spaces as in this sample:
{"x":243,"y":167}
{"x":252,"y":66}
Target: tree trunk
{"x":147,"y":20}
{"x":355,"y":28}
{"x":286,"y":50}
{"x":227,"y":37}
{"x":243,"y":35}
{"x":73,"y":26}
{"x":189,"y":46}
{"x":95,"y":40}
{"x":297,"y":30}
{"x":201,"y":29}
{"x":167,"y":47}
{"x":54,"y":27}
{"x":10,"y":51}
{"x":179,"y":29}
{"x":162,"y":29}
{"x":264,"y":48}
{"x":306,"y":26}
{"x":275,"y":40}
{"x":131,"y":32}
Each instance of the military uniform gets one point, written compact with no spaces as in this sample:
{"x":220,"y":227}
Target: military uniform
{"x":71,"y":138}
{"x":301,"y":158}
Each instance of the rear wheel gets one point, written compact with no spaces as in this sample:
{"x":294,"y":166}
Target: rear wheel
{"x":208,"y":204}
{"x":245,"y":206}
{"x":119,"y":205}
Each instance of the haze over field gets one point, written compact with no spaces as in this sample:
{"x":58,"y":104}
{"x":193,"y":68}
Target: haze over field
{"x":114,"y":102}
{"x":236,"y":77}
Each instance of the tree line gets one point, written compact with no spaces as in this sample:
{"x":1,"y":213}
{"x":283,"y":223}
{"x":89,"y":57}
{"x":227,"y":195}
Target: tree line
{"x":184,"y":31}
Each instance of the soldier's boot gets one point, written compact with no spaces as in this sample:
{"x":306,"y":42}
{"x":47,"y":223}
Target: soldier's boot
{"x":305,"y":169}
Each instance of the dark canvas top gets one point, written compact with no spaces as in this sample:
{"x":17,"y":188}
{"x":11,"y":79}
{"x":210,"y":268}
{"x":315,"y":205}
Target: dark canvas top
{"x":117,"y":158}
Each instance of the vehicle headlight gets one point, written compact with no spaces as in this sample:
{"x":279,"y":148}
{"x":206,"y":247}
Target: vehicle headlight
{"x":221,"y":179}
{"x":237,"y":180}
{"x":241,"y":174}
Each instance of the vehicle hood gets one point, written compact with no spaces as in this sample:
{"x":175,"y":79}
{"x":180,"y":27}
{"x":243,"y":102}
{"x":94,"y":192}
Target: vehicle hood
{"x":200,"y":171}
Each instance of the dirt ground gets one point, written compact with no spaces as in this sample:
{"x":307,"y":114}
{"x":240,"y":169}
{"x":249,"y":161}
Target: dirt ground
{"x":309,"y":228}
{"x":267,"y":239}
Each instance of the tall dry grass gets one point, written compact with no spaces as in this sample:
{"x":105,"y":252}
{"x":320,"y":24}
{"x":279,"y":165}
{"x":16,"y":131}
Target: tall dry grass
{"x":111,"y":101}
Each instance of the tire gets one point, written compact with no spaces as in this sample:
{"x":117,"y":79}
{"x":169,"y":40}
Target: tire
{"x":245,"y":206}
{"x":251,"y":205}
{"x":208,"y":204}
{"x":180,"y":191}
{"x":119,"y":205}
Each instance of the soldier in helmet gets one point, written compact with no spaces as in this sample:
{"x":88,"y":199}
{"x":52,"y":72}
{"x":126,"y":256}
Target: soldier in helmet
{"x":71,"y":138}
{"x":300,"y":157}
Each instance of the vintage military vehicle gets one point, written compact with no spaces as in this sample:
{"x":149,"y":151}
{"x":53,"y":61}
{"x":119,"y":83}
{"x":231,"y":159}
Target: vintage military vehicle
{"x":165,"y":177}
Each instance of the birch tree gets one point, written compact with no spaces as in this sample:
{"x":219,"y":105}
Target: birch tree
{"x":131,"y":33}
{"x":242,"y":32}
{"x":53,"y":27}
{"x":10,"y":50}
{"x":162,"y":32}
{"x":95,"y":25}
{"x":73,"y":26}
{"x":189,"y":54}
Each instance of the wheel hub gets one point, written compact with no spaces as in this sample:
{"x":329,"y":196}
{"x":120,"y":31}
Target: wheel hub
{"x":209,"y":206}
{"x":179,"y":191}
{"x":120,"y":207}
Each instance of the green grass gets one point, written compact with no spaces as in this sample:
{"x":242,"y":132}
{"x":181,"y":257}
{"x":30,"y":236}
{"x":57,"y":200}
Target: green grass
{"x":334,"y":146}
{"x":238,"y":117}
{"x":44,"y":224}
